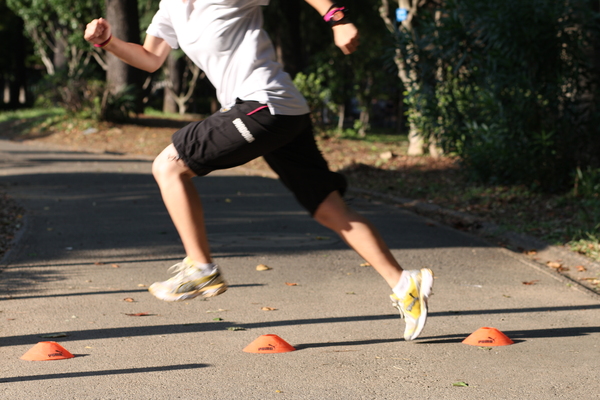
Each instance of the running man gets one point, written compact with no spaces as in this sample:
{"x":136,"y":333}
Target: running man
{"x":262,"y":114}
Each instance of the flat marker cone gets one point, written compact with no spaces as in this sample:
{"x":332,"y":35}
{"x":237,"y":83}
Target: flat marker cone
{"x":487,"y":337}
{"x":269,"y":344}
{"x":45,"y":351}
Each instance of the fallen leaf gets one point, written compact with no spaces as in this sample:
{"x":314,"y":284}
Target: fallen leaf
{"x":554,"y":264}
{"x":531,"y":282}
{"x":227,"y":200}
{"x":128,"y":299}
{"x":268,"y":309}
{"x":462,"y":384}
{"x":531,"y":252}
{"x":217,"y":319}
{"x":236,"y":328}
{"x":593,"y":281}
{"x":262,"y":267}
{"x":54,"y":335}
{"x":581,"y":268}
{"x":141,"y":285}
{"x":115,"y":266}
{"x":561,"y":269}
{"x":142,"y":314}
{"x":291,"y":284}
{"x":365,"y":264}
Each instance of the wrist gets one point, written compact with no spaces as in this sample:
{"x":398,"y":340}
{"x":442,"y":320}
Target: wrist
{"x":336,"y":15}
{"x":105,"y":43}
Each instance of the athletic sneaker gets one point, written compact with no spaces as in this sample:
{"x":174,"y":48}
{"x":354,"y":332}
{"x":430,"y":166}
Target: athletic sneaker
{"x":412,"y":304}
{"x":189,"y":282}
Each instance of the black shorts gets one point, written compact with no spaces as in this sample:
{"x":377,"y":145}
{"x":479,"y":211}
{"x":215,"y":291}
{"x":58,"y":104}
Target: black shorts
{"x":235,"y":136}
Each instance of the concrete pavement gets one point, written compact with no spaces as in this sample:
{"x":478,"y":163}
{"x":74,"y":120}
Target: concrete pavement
{"x":97,"y":234}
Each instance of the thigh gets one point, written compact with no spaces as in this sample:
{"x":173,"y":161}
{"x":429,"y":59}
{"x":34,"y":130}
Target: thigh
{"x":302,"y":169}
{"x":233,"y":137}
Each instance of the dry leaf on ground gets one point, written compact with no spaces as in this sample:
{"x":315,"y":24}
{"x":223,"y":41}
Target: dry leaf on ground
{"x":530,"y":282}
{"x":554,"y":264}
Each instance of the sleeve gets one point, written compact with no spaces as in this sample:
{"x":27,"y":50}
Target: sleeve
{"x":162,"y":26}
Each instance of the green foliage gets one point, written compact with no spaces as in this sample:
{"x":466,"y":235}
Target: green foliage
{"x":312,"y":87}
{"x":56,"y":28}
{"x":119,"y":107}
{"x":587,"y":184}
{"x":76,"y":96}
{"x":506,"y":85}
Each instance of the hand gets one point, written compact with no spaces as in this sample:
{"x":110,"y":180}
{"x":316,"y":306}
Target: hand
{"x":98,"y":31}
{"x":345,"y":36}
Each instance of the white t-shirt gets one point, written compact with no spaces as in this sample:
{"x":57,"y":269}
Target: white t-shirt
{"x":226,"y":40}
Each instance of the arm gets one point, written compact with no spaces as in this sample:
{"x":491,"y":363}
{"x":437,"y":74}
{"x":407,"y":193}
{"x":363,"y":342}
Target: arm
{"x":345,"y":36}
{"x":148,"y":57}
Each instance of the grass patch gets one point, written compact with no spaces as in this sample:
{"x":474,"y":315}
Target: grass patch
{"x":30,"y":114}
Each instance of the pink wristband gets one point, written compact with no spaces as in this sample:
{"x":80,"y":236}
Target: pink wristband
{"x":103,"y":44}
{"x":330,"y":13}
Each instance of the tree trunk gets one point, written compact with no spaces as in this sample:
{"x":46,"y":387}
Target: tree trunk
{"x":341,"y":117}
{"x":174,"y":75}
{"x":18,"y":93}
{"x":59,"y":57}
{"x":124,"y":20}
{"x":406,"y":75}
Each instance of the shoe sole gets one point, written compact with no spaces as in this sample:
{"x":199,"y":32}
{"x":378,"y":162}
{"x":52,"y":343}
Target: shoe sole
{"x":424,"y":293}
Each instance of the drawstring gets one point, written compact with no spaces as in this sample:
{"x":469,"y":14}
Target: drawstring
{"x":258,"y":109}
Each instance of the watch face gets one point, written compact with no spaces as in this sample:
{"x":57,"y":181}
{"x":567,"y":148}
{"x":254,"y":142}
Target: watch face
{"x":337,"y":16}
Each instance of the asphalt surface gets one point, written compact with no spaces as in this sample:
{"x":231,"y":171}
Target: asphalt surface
{"x":96,"y":235}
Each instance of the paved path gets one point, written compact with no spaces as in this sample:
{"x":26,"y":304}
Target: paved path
{"x":97,"y":233}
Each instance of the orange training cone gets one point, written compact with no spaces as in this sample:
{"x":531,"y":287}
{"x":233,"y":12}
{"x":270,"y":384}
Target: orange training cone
{"x":269,"y":344}
{"x":44,"y":351}
{"x":487,"y":337}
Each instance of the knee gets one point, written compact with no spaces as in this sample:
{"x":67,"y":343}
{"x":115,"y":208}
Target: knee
{"x":167,"y":165}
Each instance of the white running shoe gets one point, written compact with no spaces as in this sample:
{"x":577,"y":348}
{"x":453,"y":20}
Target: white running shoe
{"x":412,"y":304}
{"x":189,"y":282}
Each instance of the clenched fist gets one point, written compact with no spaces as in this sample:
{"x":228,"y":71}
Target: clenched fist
{"x":98,"y":31}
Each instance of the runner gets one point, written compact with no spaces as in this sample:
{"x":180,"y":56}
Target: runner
{"x":262,"y":114}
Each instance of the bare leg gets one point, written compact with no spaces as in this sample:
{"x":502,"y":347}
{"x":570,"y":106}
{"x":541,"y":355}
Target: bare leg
{"x":183,"y":203}
{"x":360,"y":234}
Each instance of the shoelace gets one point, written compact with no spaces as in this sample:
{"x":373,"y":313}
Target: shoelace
{"x":178,"y":268}
{"x":396,"y":304}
